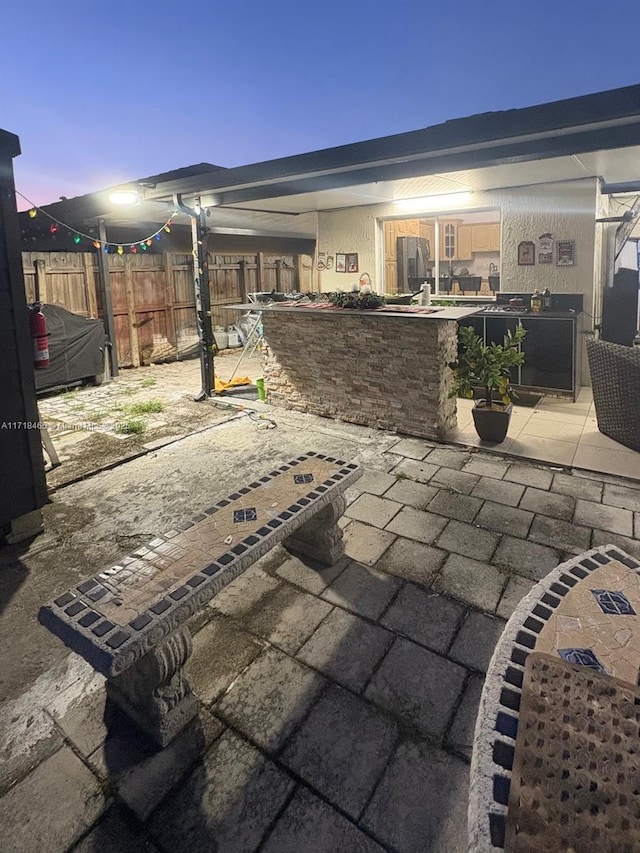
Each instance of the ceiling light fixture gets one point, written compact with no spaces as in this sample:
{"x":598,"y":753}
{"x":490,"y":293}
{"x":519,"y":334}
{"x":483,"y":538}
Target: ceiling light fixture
{"x":434,"y":202}
{"x":123,"y":197}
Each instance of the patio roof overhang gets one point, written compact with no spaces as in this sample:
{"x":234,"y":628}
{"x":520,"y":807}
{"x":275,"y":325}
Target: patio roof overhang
{"x":595,"y":135}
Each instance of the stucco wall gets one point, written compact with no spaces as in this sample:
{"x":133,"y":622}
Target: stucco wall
{"x":351,"y":230}
{"x":384,"y":372}
{"x":567,"y":210}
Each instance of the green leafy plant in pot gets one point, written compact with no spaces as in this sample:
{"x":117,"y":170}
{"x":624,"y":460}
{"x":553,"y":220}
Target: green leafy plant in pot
{"x":486,"y":368}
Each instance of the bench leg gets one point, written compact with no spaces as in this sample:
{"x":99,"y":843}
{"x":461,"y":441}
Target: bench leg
{"x":321,"y":537}
{"x":154,"y":692}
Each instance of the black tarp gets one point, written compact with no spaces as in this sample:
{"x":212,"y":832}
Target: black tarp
{"x":76,"y":348}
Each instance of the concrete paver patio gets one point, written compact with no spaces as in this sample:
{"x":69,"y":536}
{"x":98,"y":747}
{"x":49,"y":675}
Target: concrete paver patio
{"x":337,"y":704}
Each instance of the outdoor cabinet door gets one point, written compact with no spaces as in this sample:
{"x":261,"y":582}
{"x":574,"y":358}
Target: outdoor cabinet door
{"x":548,"y":353}
{"x":496,"y":328}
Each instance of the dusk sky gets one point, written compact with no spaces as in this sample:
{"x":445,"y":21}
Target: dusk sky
{"x":101,"y":93}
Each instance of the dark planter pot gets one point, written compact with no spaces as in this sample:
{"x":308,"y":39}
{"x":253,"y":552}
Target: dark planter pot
{"x":492,"y":424}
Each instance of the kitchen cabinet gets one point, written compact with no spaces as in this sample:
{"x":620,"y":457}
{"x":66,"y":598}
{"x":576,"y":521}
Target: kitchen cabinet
{"x":463,"y":249}
{"x":485,"y":237}
{"x":551,"y":348}
{"x":450,"y":246}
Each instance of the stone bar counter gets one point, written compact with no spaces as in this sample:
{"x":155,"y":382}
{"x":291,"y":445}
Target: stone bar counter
{"x":384,"y":368}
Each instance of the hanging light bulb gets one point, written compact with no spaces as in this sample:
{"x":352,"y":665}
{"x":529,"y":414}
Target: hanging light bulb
{"x":76,"y":238}
{"x":53,"y":228}
{"x":167,"y":229}
{"x":33,"y":213}
{"x":144,"y":247}
{"x":120,"y":250}
{"x":134,"y":250}
{"x":157,"y":237}
{"x":149,"y":241}
{"x":107,"y":249}
{"x":96,"y":244}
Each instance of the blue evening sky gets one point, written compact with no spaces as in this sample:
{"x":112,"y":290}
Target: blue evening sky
{"x":106,"y":92}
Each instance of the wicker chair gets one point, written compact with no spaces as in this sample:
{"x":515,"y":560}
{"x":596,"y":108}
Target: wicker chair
{"x":615,"y":378}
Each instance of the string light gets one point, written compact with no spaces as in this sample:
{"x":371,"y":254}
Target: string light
{"x":56,"y":224}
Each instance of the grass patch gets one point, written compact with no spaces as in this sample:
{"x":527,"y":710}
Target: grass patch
{"x":128,"y":391}
{"x":146,"y":407}
{"x":149,"y":382}
{"x":132,"y":427}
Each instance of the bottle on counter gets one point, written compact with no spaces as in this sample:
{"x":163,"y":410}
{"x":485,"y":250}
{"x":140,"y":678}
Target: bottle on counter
{"x":546,"y":299}
{"x":536,"y":301}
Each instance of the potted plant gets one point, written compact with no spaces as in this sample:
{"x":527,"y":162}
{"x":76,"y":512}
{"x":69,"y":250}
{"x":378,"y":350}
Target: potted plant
{"x":486,"y":368}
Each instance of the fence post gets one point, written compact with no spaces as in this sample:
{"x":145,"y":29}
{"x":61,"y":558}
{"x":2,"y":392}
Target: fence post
{"x":170,"y":299}
{"x":40,"y":283}
{"x":242,"y":279}
{"x":107,"y":301}
{"x":90,"y":285}
{"x":260,"y":272}
{"x":131,"y":311}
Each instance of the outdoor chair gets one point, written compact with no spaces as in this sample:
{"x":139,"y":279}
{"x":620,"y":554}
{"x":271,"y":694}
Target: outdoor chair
{"x":615,"y":379}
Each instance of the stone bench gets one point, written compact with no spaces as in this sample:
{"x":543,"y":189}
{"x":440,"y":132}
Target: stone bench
{"x":129,"y":620}
{"x":587,"y":612}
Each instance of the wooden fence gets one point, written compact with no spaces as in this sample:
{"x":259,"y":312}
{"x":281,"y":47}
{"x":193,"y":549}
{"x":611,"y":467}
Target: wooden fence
{"x":153,"y":295}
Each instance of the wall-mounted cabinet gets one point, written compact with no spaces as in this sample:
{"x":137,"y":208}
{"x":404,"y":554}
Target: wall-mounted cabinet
{"x":464,"y":247}
{"x":485,"y":237}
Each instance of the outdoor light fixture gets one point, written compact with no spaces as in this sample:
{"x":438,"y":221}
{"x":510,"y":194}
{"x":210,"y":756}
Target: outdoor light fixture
{"x":433,"y":202}
{"x":124,"y":197}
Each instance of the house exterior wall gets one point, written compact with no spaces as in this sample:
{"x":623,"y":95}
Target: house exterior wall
{"x":567,"y":210}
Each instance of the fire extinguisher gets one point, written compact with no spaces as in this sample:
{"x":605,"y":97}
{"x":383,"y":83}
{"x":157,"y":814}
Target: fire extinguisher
{"x":39,"y":336}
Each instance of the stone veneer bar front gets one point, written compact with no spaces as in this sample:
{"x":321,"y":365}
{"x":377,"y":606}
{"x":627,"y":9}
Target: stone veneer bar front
{"x":383,"y":368}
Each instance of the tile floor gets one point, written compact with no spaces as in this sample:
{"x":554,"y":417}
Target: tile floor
{"x":557,"y":432}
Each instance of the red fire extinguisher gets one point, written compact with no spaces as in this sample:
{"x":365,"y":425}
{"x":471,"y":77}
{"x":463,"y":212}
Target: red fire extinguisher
{"x":39,"y":336}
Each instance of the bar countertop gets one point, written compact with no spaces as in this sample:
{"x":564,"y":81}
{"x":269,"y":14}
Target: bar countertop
{"x":406,"y":312}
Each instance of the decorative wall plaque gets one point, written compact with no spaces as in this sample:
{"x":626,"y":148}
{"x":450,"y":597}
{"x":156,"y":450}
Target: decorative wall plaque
{"x":526,"y":253}
{"x":545,"y":249}
{"x":565,"y":253}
